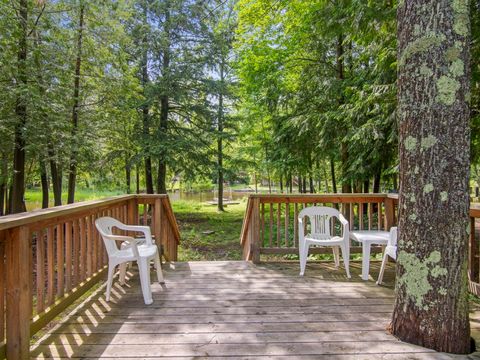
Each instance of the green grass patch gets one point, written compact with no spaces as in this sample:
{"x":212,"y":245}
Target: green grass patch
{"x":197,"y":220}
{"x":33,"y":197}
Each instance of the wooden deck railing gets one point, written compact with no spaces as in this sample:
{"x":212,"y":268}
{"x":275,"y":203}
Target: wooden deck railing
{"x":270,"y":224}
{"x":271,"y":221}
{"x":50,"y":257}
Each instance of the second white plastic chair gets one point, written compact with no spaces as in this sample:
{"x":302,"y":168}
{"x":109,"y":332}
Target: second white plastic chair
{"x":390,"y":250}
{"x":321,"y":234}
{"x":140,"y":250}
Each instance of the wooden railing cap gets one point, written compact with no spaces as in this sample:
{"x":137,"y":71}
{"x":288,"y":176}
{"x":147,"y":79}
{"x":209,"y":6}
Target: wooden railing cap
{"x":25,"y":218}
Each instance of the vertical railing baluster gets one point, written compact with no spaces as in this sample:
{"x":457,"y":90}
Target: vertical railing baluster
{"x":295,"y":225}
{"x":279,"y":209}
{"x":40,"y":249}
{"x":68,"y":256}
{"x":270,"y":234}
{"x":360,"y":216}
{"x":50,"y":265}
{"x":60,"y":260}
{"x":287,"y":223}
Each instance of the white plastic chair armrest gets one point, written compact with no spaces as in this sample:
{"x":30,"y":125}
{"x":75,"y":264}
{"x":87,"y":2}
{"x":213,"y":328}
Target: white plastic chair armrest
{"x":132,"y":242}
{"x":137,"y":228}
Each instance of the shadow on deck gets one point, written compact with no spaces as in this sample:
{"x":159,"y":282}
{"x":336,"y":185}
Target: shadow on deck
{"x":239,"y":310}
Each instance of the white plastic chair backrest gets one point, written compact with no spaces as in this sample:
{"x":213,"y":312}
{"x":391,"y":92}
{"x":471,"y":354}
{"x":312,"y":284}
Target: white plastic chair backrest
{"x":319,"y":217}
{"x":105,"y":226}
{"x":392,"y":238}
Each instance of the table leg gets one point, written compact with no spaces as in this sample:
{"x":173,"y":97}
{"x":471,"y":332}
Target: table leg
{"x":365,"y":259}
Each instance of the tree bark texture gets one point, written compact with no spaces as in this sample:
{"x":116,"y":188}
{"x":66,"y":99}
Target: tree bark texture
{"x":56,"y":172}
{"x":3,"y":183}
{"x":72,"y":175}
{"x":144,"y":78}
{"x":44,"y":182}
{"x":431,"y":307}
{"x":18,"y":183}
{"x":332,"y":172}
{"x":164,"y":107}
{"x":128,"y":177}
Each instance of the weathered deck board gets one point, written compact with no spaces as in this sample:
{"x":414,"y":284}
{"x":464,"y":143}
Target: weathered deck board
{"x":239,"y":310}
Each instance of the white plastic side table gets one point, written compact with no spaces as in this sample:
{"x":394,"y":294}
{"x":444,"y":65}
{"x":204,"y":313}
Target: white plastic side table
{"x":368,"y":238}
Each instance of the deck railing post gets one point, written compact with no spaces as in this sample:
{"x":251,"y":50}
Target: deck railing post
{"x":157,"y":224}
{"x":389,"y":213}
{"x":132,"y":211}
{"x":18,"y":295}
{"x":473,"y":260}
{"x":254,"y":231}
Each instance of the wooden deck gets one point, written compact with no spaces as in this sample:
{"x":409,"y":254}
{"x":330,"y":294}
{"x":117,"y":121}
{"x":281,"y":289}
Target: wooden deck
{"x":239,"y":310}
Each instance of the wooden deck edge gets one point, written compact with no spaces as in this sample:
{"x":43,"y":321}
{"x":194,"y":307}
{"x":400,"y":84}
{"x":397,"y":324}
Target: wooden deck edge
{"x":41,"y":320}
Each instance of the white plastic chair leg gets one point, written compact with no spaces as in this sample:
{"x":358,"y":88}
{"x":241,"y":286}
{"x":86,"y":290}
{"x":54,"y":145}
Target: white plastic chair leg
{"x":111,"y":271}
{"x":158,"y":268}
{"x":303,"y":258}
{"x":346,"y":259}
{"x":382,"y":269}
{"x":336,"y":256}
{"x":122,"y":273}
{"x":144,"y":272}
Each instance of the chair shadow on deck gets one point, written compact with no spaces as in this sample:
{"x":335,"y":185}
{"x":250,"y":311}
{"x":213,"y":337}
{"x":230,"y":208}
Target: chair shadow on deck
{"x":91,"y":324}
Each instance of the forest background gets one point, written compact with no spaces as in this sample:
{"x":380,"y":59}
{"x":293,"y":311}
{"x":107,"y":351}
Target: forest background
{"x":149,"y":96}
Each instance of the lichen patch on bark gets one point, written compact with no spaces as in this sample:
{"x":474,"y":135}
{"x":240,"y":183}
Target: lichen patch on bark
{"x":457,"y":68}
{"x":428,"y":188}
{"x":444,"y":196}
{"x":461,"y":19}
{"x":428,"y":142}
{"x":410,"y":143}
{"x":415,"y":277}
{"x":447,"y":90}
{"x":421,"y":45}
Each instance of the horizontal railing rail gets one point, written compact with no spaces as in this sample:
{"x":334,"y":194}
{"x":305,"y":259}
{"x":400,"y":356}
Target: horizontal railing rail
{"x":51,"y":257}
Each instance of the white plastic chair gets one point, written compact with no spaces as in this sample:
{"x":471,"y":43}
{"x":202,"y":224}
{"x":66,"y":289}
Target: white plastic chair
{"x":140,"y":250}
{"x":390,"y":250}
{"x":321,"y":235}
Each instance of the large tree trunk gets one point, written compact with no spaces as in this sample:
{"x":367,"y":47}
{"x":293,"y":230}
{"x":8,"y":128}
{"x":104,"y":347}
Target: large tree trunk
{"x":44,"y":182}
{"x":72,"y":175}
{"x":164,"y":106}
{"x":137,"y":179}
{"x":346,"y":184}
{"x":334,"y":180}
{"x":144,"y":79}
{"x":56,"y":177}
{"x":3,"y":183}
{"x":220,"y":139}
{"x":128,"y":174}
{"x":18,"y":184}
{"x":431,"y":307}
{"x":376,"y":181}
{"x":56,"y":173}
